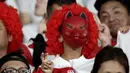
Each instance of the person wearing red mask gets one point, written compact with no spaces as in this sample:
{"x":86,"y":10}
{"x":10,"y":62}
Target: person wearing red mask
{"x":73,"y":38}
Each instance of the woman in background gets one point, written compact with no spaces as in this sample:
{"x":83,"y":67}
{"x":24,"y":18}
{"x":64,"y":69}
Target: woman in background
{"x":111,"y":60}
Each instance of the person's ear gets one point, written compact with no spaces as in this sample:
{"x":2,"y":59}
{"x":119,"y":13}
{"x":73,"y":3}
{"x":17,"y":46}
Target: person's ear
{"x":10,"y":38}
{"x":60,"y":39}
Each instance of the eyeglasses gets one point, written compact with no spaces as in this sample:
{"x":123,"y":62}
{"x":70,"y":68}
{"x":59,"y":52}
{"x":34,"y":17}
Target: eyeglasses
{"x":13,"y":70}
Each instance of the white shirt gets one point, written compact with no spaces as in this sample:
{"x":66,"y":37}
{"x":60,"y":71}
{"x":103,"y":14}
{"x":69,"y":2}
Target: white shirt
{"x":29,"y":7}
{"x":12,"y":3}
{"x":123,"y":41}
{"x":80,"y":65}
{"x":29,"y":30}
{"x":88,"y":4}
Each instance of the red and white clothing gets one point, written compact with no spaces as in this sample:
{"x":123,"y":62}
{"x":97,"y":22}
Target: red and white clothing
{"x":80,"y":65}
{"x":28,"y":53}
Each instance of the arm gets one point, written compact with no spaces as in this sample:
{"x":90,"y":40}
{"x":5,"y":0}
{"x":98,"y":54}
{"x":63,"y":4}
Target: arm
{"x":47,"y":65}
{"x":40,"y":7}
{"x":104,"y":32}
{"x":104,"y":35}
{"x":24,"y":11}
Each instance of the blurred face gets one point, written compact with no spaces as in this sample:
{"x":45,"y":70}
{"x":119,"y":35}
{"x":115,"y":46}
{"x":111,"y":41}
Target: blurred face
{"x":41,"y":6}
{"x":3,"y":37}
{"x":114,"y":15}
{"x":55,"y":7}
{"x":11,"y":66}
{"x":111,"y":67}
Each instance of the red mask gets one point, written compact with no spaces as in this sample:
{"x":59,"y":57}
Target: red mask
{"x":75,"y":30}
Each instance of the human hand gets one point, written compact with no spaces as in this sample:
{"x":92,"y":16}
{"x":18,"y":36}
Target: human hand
{"x":104,"y":35}
{"x":42,"y":26}
{"x":47,"y":65}
{"x":104,"y":32}
{"x":124,"y":29}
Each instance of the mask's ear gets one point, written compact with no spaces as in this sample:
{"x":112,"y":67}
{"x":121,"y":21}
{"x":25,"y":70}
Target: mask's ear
{"x":83,"y":15}
{"x":68,"y":14}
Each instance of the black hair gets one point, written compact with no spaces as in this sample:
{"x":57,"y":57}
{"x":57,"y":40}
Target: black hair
{"x":58,"y":2}
{"x":110,"y":53}
{"x":13,"y":57}
{"x":125,"y":3}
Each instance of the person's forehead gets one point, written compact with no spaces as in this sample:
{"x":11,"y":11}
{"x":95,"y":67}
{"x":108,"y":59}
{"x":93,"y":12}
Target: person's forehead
{"x":108,"y":66}
{"x":111,"y":5}
{"x":14,"y":63}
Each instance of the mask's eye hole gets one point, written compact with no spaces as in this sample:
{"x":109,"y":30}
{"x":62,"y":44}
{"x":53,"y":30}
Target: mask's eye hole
{"x":68,"y":25}
{"x":83,"y":27}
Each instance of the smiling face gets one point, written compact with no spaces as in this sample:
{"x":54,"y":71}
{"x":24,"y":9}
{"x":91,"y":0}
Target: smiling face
{"x":111,"y":67}
{"x":74,"y":31}
{"x":114,"y":15}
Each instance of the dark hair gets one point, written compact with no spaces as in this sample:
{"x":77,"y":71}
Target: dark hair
{"x":58,"y":2}
{"x":125,"y":3}
{"x":13,"y":57}
{"x":110,"y":53}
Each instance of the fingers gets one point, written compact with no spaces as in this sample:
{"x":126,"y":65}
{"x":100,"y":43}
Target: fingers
{"x":101,"y":28}
{"x":104,"y":28}
{"x":47,"y":66}
{"x":45,"y":61}
{"x":42,"y":26}
{"x":104,"y":32}
{"x":100,"y":35}
{"x":44,"y":56}
{"x":124,"y":29}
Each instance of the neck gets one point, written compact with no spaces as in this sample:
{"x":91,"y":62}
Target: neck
{"x":70,"y":53}
{"x":114,"y":39}
{"x":3,"y":52}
